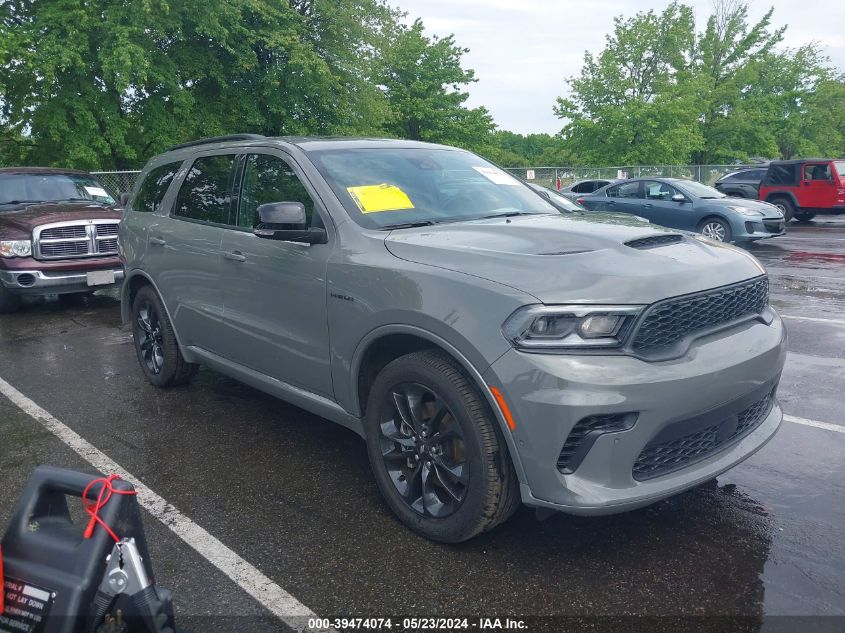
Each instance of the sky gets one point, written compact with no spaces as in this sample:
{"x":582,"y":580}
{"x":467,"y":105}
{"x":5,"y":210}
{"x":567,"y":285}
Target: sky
{"x":522,"y":51}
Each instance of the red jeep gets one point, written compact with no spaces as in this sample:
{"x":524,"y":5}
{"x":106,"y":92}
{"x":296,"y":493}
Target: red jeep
{"x":805,"y":187}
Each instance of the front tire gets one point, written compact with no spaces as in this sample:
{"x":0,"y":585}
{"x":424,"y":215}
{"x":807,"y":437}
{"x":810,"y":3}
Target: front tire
{"x":436,"y":450}
{"x":716,"y":229}
{"x":155,"y":343}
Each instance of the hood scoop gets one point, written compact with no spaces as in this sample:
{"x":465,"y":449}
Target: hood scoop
{"x":655,"y":241}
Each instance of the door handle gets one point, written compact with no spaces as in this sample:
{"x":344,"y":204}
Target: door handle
{"x":647,"y":205}
{"x":235,"y":256}
{"x":611,"y":202}
{"x":157,"y":241}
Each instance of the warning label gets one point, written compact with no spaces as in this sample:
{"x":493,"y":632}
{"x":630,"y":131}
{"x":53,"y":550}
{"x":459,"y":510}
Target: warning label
{"x":27,"y":607}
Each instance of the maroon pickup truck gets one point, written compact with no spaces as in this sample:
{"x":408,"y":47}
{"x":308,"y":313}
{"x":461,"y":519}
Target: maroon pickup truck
{"x":58,"y":234}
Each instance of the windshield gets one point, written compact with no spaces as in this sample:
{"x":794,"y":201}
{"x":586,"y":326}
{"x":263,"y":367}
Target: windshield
{"x":840,"y":168}
{"x":388,"y":187}
{"x":698,"y":190}
{"x":45,"y":187}
{"x":561,"y":202}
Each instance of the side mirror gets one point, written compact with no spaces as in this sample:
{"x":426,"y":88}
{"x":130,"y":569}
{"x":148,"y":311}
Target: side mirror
{"x":287,"y":222}
{"x":124,"y":199}
{"x":290,"y":214}
{"x":679,"y":197}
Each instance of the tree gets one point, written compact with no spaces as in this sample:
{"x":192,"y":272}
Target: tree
{"x":728,"y":64}
{"x":635,"y":102}
{"x":106,"y":84}
{"x":423,"y":81}
{"x":661,"y":93}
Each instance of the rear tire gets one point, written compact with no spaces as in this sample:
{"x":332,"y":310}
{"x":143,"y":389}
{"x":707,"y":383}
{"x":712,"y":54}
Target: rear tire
{"x":804,"y":217}
{"x":448,"y":489}
{"x":8,"y":302}
{"x":155,"y":343}
{"x":786,"y":207}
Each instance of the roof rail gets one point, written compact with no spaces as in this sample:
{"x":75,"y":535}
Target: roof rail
{"x":219,"y":139}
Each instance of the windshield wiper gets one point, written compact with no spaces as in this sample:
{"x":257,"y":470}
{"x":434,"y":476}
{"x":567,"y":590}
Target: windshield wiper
{"x":507,"y":214}
{"x":21,"y":201}
{"x":84,"y":200}
{"x":407,"y":225}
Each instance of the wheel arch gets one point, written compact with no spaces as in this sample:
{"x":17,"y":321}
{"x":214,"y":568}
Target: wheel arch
{"x":773,"y":195}
{"x":385,"y":344}
{"x":135,"y":280}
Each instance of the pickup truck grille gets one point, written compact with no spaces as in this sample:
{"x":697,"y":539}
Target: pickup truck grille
{"x":63,"y":240}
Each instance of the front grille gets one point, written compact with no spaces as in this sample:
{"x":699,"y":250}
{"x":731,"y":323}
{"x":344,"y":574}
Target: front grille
{"x":774,"y":226}
{"x":663,"y":457}
{"x":107,"y":229}
{"x":654,"y":241}
{"x":579,"y":440}
{"x":107,"y":246}
{"x":666,"y":323}
{"x":64,"y":232}
{"x":64,"y":249}
{"x":62,"y":241}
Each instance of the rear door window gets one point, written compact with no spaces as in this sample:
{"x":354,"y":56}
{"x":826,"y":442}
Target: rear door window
{"x":625,"y":190}
{"x":206,"y":193}
{"x":155,"y":185}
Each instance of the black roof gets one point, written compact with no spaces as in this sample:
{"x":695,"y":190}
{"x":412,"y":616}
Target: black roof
{"x":797,"y":161}
{"x":307,"y":143}
{"x":41,"y":170}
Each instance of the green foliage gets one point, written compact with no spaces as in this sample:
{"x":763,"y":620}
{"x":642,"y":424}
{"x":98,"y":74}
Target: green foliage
{"x":661,"y":93}
{"x":423,"y":81}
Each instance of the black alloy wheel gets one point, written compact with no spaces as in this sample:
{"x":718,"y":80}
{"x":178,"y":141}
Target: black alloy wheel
{"x":423,"y":449}
{"x":155,"y":342}
{"x":148,"y":332}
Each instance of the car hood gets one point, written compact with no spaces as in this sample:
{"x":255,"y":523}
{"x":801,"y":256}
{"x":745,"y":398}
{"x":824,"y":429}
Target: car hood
{"x":561,"y":259}
{"x":769,"y":211}
{"x":19,"y":222}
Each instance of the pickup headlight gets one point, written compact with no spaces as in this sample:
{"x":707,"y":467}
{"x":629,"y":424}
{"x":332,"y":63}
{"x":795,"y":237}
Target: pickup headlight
{"x":15,"y":248}
{"x":749,"y":213}
{"x":569,"y":326}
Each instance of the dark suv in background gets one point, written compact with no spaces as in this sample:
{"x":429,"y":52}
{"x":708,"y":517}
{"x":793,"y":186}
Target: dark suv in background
{"x":805,"y":187}
{"x":744,"y":183}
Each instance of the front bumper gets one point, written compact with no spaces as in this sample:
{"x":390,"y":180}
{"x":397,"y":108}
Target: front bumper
{"x":40,"y":282}
{"x":762,"y":228}
{"x":548,"y":394}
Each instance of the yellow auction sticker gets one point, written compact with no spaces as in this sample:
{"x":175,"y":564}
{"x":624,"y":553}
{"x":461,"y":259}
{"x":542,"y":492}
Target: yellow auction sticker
{"x":375,"y":198}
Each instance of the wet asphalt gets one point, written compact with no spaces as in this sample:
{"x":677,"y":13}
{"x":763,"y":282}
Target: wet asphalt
{"x":292,"y":493}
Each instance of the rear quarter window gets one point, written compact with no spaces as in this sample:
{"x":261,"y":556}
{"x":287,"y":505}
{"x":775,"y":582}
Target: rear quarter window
{"x":154,"y":187}
{"x":781,"y":175}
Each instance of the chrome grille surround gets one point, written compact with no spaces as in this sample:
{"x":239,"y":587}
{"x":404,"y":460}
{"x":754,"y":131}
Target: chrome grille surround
{"x":75,"y":238}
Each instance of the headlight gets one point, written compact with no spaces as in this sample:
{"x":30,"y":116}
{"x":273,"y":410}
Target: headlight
{"x":16,"y":248}
{"x":570,"y":326}
{"x":750,"y":213}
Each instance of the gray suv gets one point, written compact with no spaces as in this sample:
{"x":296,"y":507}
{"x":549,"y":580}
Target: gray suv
{"x":489,"y":349}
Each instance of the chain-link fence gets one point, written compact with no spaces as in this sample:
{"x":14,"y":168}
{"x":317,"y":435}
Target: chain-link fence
{"x":549,"y":176}
{"x":123,"y":181}
{"x":117,"y":182}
